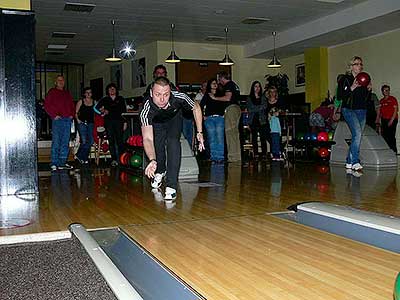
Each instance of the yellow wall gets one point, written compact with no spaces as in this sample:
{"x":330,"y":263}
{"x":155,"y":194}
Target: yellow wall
{"x":316,"y":62}
{"x":380,"y":56}
{"x":16,"y":4}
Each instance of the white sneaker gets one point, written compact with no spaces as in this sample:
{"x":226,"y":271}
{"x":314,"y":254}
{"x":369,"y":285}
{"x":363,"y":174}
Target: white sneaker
{"x":157,"y":180}
{"x":357,"y":167}
{"x":114,"y":163}
{"x":53,"y":168}
{"x":170,"y":194}
{"x":349,"y":166}
{"x":65,"y":167}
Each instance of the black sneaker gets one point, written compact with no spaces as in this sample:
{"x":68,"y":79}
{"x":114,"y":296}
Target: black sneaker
{"x":65,"y":167}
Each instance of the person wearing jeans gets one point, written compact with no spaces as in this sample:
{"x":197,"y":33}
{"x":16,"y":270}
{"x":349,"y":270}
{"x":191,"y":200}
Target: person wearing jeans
{"x":354,"y":109}
{"x":85,"y":119}
{"x":59,"y":105}
{"x":215,"y":126}
{"x":355,"y":119}
{"x":61,"y":131}
{"x":276,"y":132}
{"x":214,"y":122}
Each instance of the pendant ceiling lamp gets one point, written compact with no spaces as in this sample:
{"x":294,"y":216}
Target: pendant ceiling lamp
{"x":172,"y":58}
{"x":113,"y":57}
{"x":227,"y":61}
{"x":275,"y":63}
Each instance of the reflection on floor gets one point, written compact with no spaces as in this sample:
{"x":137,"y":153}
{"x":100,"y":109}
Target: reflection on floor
{"x":217,"y":236}
{"x":112,"y":197}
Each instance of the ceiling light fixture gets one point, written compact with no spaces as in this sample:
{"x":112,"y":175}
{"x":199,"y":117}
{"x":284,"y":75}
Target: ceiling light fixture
{"x":275,"y":63}
{"x":227,"y":61}
{"x":172,"y":58}
{"x":113,"y":57}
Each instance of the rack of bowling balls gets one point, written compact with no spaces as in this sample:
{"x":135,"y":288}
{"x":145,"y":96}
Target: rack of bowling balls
{"x":132,"y":157}
{"x":321,"y":142}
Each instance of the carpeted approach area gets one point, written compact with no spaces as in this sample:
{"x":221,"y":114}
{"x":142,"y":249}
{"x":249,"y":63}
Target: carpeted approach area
{"x":50,"y":270}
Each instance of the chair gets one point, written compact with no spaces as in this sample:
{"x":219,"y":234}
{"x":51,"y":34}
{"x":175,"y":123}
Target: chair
{"x":102,"y":147}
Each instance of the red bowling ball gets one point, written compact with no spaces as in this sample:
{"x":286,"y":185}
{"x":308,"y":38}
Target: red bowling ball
{"x":363,"y":79}
{"x":323,"y":136}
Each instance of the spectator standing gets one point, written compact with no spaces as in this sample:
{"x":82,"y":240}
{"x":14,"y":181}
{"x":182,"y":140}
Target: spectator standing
{"x":59,"y":105}
{"x":387,"y":117}
{"x":354,"y":109}
{"x":112,"y":107}
{"x":214,"y":122}
{"x":256,"y":107}
{"x":85,"y":119}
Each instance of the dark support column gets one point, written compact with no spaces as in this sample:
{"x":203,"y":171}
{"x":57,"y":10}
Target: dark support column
{"x":18,"y":145}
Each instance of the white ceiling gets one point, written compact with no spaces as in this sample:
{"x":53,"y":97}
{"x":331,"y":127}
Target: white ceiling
{"x":147,"y":21}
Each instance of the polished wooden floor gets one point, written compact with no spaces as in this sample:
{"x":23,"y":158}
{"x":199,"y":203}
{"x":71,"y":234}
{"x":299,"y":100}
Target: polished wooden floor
{"x":221,"y":239}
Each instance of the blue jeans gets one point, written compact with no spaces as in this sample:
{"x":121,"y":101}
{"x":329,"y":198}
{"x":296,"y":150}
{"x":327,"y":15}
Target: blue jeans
{"x":355,"y":119}
{"x":61,"y":131}
{"x":86,"y":135}
{"x":187,"y":129}
{"x":215,"y":126}
{"x":276,"y":144}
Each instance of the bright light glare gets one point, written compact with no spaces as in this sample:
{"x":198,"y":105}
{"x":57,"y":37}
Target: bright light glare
{"x":127,"y":50}
{"x":13,"y":129}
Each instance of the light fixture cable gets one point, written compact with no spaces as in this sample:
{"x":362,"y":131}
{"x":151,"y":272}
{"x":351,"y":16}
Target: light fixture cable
{"x":172,"y":58}
{"x":113,"y":57}
{"x":227,"y":61}
{"x":275,"y":63}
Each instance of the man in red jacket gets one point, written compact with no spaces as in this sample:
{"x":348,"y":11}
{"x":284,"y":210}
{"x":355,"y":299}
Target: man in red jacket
{"x":59,"y":105}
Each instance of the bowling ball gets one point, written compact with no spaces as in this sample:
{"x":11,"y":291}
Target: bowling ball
{"x":124,"y":159}
{"x":323,"y":152}
{"x":330,"y":135}
{"x":313,"y":136}
{"x":307,"y":137}
{"x":121,"y":158}
{"x":136,"y":161}
{"x":323,"y":136}
{"x":363,"y":79}
{"x":140,"y":141}
{"x":300,"y":136}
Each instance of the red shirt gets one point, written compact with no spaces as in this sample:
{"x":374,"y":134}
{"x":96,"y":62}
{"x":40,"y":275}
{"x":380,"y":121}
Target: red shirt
{"x":388,"y":107}
{"x":59,"y":103}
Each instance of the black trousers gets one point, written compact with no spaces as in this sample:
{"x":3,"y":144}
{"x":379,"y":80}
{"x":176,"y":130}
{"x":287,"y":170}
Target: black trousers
{"x":257,"y":129}
{"x":168,"y":148}
{"x":389,"y":133}
{"x":115,"y":131}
